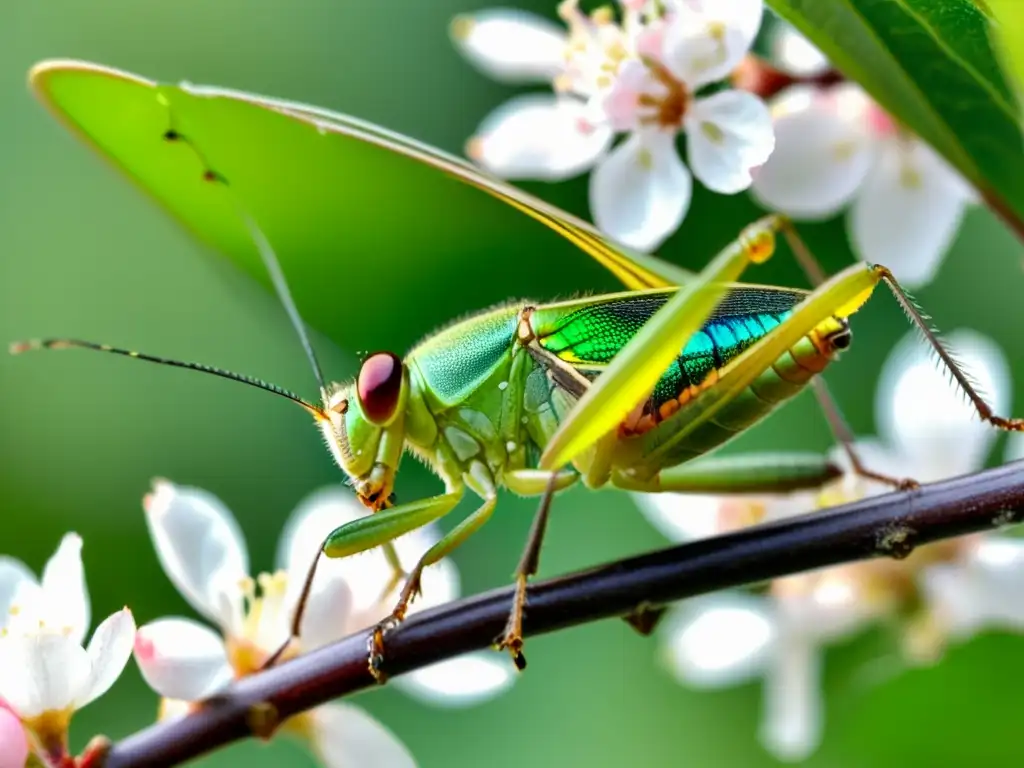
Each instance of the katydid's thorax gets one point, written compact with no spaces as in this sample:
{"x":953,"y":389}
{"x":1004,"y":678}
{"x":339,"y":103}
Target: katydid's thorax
{"x":467,"y":378}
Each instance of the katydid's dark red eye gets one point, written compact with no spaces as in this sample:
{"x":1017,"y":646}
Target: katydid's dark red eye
{"x":379,"y":385}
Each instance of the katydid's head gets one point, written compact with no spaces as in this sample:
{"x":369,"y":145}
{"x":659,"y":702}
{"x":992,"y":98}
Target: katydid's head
{"x":365,"y":425}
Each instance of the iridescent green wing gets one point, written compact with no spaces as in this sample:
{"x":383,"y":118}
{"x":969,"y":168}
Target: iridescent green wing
{"x":588,"y":333}
{"x":352,"y":209}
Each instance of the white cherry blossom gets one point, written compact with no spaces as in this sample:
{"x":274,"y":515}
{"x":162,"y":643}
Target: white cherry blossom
{"x":200,"y":547}
{"x":46,"y":673}
{"x":927,"y":432}
{"x":836,"y":149}
{"x":640,"y":76}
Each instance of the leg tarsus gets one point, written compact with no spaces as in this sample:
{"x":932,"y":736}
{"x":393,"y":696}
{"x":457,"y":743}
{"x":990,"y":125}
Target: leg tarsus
{"x":529,"y":562}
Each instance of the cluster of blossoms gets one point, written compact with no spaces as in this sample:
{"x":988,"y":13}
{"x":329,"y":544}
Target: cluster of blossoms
{"x":647,"y":76}
{"x":46,"y":674}
{"x":657,"y":69}
{"x":941,"y":593}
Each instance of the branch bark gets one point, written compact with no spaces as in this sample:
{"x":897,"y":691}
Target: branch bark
{"x":882,"y":526}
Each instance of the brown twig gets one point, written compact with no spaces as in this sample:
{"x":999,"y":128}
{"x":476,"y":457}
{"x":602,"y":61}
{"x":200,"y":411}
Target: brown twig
{"x":864,"y":529}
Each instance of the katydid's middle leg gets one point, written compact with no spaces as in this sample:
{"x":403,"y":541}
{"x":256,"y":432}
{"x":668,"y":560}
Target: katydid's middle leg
{"x":512,"y":639}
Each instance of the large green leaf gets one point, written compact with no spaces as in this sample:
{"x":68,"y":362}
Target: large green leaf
{"x":929,"y":63}
{"x":1008,"y":34}
{"x":364,"y":221}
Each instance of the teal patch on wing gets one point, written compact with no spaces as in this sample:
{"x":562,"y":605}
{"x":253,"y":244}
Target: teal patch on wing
{"x":458,"y":359}
{"x":590,"y":334}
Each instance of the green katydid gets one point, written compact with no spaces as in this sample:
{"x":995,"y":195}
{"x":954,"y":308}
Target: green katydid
{"x":629,"y":390}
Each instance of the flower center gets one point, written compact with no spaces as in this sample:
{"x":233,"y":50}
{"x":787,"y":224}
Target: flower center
{"x":266,"y":624}
{"x":668,"y":108}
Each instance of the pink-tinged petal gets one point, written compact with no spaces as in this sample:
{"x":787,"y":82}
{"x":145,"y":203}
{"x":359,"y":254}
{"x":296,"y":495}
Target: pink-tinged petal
{"x":640,"y":193}
{"x":795,"y":54}
{"x":621,"y":102}
{"x":700,"y":51}
{"x":13,"y":573}
{"x":907,"y":213}
{"x":109,"y":650}
{"x":460,"y":682}
{"x":181,"y":659}
{"x":510,"y":45}
{"x":720,"y":640}
{"x":543,"y":137}
{"x":728,"y":134}
{"x":200,"y":546}
{"x":924,"y":416}
{"x":64,"y":590}
{"x":793,"y":706}
{"x":43,"y":672}
{"x":13,"y":742}
{"x":819,"y":162}
{"x":344,"y":736}
{"x":683,"y":516}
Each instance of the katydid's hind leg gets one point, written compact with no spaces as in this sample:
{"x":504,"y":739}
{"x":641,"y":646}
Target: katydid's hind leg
{"x":398,"y":574}
{"x":981,"y":406}
{"x":844,"y":436}
{"x":412,"y":587}
{"x":745,"y":473}
{"x":512,"y":639}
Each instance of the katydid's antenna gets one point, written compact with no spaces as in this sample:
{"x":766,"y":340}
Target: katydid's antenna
{"x":24,"y":346}
{"x":273,"y":267}
{"x":267,"y":255}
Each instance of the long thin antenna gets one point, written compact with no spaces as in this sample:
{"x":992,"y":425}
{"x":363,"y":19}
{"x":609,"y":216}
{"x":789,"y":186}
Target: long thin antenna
{"x":267,"y":255}
{"x":25,"y":346}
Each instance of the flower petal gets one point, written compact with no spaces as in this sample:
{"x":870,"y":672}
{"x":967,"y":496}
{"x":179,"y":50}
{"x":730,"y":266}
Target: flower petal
{"x":983,"y":590}
{"x":510,"y":45}
{"x":201,"y":549}
{"x":728,"y":134}
{"x":795,"y":54}
{"x":924,"y":416}
{"x":13,"y":742}
{"x":328,"y":614}
{"x":181,"y":659}
{"x":682,"y":516}
{"x":109,"y":650}
{"x":345,"y":736}
{"x":41,"y":672}
{"x":820,"y":158}
{"x":13,"y":573}
{"x":462,"y":681}
{"x":700,"y":49}
{"x":908,"y":212}
{"x":719,"y":640}
{"x":543,"y":137}
{"x":640,"y":193}
{"x":64,"y":591}
{"x":793,"y":707}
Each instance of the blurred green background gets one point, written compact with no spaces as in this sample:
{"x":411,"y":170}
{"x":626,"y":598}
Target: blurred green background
{"x":84,"y":254}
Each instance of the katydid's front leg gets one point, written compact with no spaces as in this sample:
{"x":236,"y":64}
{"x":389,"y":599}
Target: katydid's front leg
{"x":411,"y":589}
{"x":634,"y":371}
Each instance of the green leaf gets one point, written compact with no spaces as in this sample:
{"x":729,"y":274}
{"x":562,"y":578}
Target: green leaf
{"x":1008,"y":35}
{"x":364,"y":221}
{"x":929,"y":63}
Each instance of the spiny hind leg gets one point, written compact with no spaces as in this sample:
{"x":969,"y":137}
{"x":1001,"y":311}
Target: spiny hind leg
{"x":830,"y":408}
{"x":412,"y":587}
{"x":844,"y":436}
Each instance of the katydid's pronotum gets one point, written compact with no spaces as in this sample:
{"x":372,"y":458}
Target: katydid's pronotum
{"x":630,"y":389}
